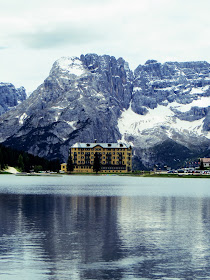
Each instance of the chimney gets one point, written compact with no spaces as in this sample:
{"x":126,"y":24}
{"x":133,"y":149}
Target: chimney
{"x":95,"y":140}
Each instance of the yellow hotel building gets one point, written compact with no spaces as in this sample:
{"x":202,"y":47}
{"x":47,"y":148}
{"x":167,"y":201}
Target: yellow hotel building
{"x":114,"y":157}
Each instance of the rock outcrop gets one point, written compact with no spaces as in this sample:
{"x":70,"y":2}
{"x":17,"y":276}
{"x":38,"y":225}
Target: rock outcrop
{"x":10,"y":96}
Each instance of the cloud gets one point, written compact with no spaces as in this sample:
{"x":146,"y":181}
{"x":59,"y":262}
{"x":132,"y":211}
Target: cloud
{"x":59,"y":36}
{"x":33,"y":34}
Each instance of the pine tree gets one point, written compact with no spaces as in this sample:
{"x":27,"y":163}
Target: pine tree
{"x":2,"y":164}
{"x":96,"y":164}
{"x":20,"y":162}
{"x":202,"y":165}
{"x":26,"y":162}
{"x":70,"y":165}
{"x":54,"y":165}
{"x":38,"y":168}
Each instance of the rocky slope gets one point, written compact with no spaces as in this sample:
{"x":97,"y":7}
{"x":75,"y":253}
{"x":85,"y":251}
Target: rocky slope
{"x":170,"y":101}
{"x":10,"y":96}
{"x":99,"y":97}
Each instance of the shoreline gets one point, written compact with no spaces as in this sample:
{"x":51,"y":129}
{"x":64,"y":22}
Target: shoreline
{"x":140,"y":174}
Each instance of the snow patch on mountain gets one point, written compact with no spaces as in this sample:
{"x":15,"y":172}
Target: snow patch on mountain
{"x":72,"y":65}
{"x":186,"y":127}
{"x":22,"y":118}
{"x":72,"y":124}
{"x":57,"y":117}
{"x":131,"y":123}
{"x":58,"y":107}
{"x":200,"y":90}
{"x":201,"y":102}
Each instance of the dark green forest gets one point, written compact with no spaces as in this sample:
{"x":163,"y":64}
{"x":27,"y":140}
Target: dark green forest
{"x":25,"y":162}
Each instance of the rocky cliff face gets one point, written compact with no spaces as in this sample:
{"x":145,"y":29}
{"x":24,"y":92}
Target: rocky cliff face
{"x":99,"y":97}
{"x":10,"y":96}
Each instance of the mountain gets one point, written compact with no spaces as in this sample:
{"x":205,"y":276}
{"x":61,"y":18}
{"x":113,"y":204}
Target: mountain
{"x":159,"y":109}
{"x":170,"y":101}
{"x":10,"y":96}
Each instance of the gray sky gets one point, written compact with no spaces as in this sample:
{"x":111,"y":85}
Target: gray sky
{"x":33,"y":34}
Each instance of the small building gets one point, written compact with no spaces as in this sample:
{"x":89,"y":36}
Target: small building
{"x":206,"y":162}
{"x":114,"y":157}
{"x":63,"y":167}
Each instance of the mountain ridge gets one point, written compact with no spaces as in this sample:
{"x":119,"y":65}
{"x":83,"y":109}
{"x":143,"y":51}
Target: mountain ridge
{"x":99,"y":97}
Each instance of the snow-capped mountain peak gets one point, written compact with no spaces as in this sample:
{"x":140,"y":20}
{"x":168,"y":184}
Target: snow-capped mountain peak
{"x":162,"y":110}
{"x":70,"y":66}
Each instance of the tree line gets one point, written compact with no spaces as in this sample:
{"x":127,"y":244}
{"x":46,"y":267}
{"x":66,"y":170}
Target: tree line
{"x":25,"y":162}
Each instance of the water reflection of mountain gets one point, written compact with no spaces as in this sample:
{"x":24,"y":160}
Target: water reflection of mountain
{"x":105,"y":237}
{"x":168,"y":235}
{"x":62,"y":230}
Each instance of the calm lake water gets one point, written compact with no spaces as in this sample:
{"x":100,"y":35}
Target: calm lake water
{"x":104,"y":227}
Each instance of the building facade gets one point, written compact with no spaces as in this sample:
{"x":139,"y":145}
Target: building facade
{"x":206,"y":162}
{"x":114,"y":157}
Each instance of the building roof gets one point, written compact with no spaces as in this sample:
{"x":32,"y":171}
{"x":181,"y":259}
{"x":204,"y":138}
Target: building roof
{"x":205,"y":160}
{"x":103,"y":145}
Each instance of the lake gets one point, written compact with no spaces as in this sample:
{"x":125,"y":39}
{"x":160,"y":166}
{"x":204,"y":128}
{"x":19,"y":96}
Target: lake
{"x":104,"y":227}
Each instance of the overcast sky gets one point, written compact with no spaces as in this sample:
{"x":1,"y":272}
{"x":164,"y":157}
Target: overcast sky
{"x":33,"y":34}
